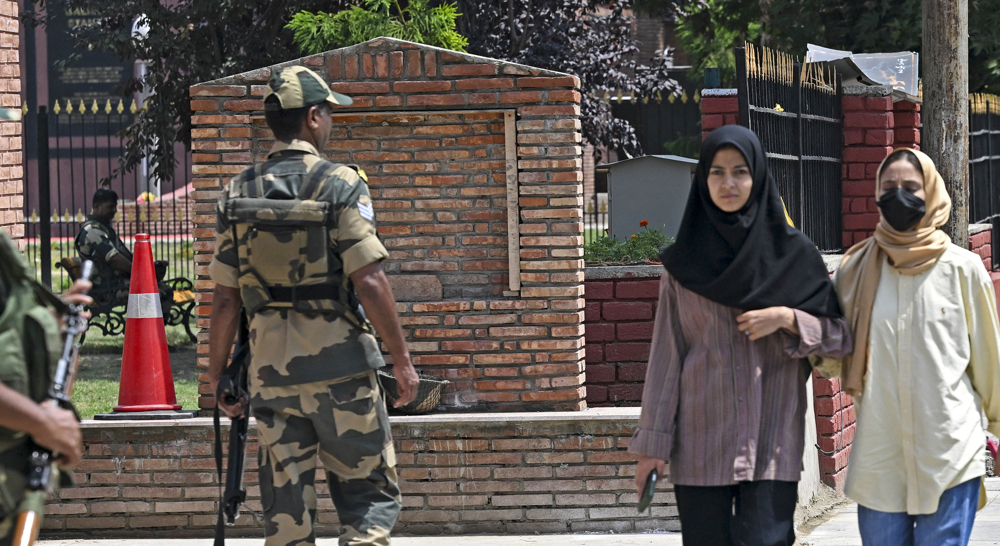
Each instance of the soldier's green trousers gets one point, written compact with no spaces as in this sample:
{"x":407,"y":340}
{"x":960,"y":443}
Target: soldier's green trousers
{"x":345,"y":422}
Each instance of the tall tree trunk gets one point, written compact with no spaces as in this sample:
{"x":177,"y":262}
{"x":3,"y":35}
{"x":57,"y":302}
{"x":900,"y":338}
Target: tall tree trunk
{"x":945,"y":135}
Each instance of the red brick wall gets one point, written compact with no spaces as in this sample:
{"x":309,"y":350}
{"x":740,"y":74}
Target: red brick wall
{"x":717,"y":110}
{"x":873,"y":127}
{"x":429,"y":127}
{"x":11,"y":172}
{"x":549,"y":473}
{"x":835,"y":424}
{"x":981,"y":244}
{"x":619,"y":320}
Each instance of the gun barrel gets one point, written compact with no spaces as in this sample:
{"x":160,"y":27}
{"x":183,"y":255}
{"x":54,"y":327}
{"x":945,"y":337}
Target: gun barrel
{"x":75,"y":325}
{"x":235,"y":494}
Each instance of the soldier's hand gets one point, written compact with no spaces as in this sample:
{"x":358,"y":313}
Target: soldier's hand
{"x":76,"y":294}
{"x":61,"y":434}
{"x":233,"y":411}
{"x":406,"y":382}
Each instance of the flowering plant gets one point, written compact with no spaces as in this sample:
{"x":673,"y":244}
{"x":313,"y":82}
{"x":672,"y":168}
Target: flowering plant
{"x":641,"y":247}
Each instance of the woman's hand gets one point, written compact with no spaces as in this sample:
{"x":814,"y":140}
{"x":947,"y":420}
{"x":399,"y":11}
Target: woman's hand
{"x":764,"y":322}
{"x":642,"y":470}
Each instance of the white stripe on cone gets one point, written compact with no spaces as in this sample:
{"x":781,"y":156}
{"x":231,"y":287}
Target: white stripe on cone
{"x":144,"y":306}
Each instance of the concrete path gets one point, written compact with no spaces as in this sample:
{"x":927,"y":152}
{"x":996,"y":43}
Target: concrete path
{"x":842,"y":528}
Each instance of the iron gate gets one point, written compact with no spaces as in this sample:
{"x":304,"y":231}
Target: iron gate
{"x":795,"y":110}
{"x":984,"y":166}
{"x":71,"y":151}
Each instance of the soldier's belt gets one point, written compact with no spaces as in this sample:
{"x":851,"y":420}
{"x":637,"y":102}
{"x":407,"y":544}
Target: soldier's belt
{"x":291,"y":294}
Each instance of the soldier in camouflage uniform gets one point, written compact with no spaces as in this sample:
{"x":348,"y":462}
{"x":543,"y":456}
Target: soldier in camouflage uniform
{"x":98,"y":242}
{"x":296,"y":246}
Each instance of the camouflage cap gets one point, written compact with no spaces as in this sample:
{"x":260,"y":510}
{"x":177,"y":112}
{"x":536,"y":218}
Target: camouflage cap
{"x":298,"y":87}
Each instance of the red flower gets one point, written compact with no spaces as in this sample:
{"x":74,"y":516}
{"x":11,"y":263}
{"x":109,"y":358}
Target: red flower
{"x":606,"y":229}
{"x":635,"y":236}
{"x":644,"y":223}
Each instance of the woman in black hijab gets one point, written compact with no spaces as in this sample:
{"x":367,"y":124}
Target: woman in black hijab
{"x":744,"y":300}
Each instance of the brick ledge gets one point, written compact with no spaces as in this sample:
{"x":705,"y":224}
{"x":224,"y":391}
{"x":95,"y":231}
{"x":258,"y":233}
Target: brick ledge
{"x":592,"y":414}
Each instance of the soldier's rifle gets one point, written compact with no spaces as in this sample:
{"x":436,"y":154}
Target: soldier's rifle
{"x":42,"y":468}
{"x":233,"y":388}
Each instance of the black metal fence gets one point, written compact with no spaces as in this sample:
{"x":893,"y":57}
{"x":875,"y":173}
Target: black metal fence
{"x":665,"y":124}
{"x":70,"y":151}
{"x":595,"y":217}
{"x":795,"y":109}
{"x":984,"y":165}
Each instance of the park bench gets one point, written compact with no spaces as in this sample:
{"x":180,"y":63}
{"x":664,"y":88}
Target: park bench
{"x":108,"y":312}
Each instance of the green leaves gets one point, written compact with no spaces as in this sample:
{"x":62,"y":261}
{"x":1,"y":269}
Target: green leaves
{"x":708,"y":30}
{"x":418,"y":22}
{"x":641,"y":247}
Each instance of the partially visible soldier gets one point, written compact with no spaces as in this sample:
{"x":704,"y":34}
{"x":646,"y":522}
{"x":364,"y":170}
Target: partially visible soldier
{"x":30,"y":345}
{"x":296,"y":246}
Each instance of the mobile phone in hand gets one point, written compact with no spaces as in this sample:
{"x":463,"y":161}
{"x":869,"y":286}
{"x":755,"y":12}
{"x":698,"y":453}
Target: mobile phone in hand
{"x":648,"y":490}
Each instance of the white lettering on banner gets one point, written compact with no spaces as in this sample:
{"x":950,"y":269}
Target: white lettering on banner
{"x":144,"y":306}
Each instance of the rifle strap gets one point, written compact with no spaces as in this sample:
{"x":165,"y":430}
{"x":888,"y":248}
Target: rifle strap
{"x":220,"y":524}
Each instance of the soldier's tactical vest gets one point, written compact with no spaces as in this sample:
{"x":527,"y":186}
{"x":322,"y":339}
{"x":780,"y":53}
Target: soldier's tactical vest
{"x":30,"y":347}
{"x":285,"y":256}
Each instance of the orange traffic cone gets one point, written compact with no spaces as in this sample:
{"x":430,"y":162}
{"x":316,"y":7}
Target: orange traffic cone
{"x":147,"y":383}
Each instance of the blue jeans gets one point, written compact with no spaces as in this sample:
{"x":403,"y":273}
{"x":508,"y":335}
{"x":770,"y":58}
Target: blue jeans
{"x":951,"y":525}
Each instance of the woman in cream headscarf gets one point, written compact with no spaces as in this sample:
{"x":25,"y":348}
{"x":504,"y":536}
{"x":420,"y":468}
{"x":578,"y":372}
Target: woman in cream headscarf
{"x":924,"y":319}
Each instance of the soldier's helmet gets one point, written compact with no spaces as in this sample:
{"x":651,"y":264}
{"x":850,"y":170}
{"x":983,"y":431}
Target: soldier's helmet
{"x":298,"y":87}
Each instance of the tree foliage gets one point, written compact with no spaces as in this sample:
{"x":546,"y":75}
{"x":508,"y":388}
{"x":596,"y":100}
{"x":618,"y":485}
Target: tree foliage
{"x":417,"y":22}
{"x":192,"y":41}
{"x":708,"y":27}
{"x":587,"y":38}
{"x":188,"y":41}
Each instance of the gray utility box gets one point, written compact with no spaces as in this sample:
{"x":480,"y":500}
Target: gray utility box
{"x":653,"y":188}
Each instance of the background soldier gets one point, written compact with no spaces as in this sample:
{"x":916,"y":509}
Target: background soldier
{"x":98,"y":242}
{"x":29,"y":349}
{"x":296,"y":246}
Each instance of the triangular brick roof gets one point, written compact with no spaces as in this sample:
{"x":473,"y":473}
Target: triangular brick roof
{"x":385,"y":46}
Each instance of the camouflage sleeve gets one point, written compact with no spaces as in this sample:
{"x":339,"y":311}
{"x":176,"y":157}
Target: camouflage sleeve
{"x":96,"y":243}
{"x":355,"y":236}
{"x":224,"y":268}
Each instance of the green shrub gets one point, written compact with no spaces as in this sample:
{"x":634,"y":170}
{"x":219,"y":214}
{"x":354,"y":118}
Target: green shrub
{"x":641,"y":247}
{"x":417,"y":22}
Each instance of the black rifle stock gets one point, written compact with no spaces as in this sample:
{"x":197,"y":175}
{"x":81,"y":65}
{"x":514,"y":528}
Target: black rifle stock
{"x":42,"y":468}
{"x":233,"y":387}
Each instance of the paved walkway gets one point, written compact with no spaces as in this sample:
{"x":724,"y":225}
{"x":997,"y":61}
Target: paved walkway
{"x":840,"y":530}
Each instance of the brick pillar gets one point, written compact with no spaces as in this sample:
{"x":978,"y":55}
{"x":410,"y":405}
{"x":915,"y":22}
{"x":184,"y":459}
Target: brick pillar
{"x":835,"y":424}
{"x":718,"y":107}
{"x":980,"y":242}
{"x":11,"y":171}
{"x":868,"y":138}
{"x":906,"y":116}
{"x":446,"y":139}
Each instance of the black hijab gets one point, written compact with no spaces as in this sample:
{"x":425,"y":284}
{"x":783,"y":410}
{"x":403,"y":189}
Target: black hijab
{"x":749,"y":259}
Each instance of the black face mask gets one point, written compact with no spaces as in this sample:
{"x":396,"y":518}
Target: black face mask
{"x":901,"y":208}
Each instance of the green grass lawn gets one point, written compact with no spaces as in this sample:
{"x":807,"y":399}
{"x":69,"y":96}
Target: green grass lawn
{"x":96,"y":387}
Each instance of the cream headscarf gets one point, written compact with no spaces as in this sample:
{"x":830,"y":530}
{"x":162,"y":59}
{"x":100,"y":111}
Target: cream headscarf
{"x":910,"y":253}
